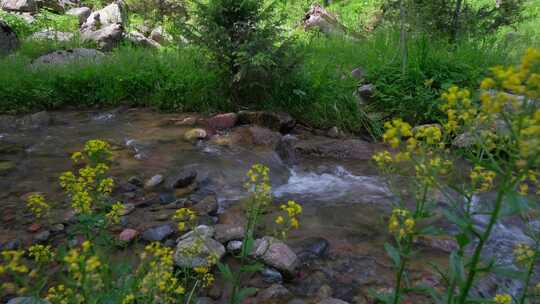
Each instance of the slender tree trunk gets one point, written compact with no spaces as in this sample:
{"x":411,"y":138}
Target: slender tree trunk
{"x":455,"y":21}
{"x":403,"y":37}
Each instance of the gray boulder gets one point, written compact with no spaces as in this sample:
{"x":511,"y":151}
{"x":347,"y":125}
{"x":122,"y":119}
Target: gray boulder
{"x":69,"y":56}
{"x":52,"y":35}
{"x":8,"y":39}
{"x":80,"y":12}
{"x":19,"y":5}
{"x":106,"y":38}
{"x":195,"y":251}
{"x":138,"y":39}
{"x":160,"y":36}
{"x":114,"y":13}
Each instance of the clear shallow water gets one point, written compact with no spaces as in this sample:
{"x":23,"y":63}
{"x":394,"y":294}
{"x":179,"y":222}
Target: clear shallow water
{"x":344,"y":202}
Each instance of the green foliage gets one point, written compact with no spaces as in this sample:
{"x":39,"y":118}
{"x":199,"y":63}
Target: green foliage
{"x":168,"y":80}
{"x":244,"y":39}
{"x":43,"y":20}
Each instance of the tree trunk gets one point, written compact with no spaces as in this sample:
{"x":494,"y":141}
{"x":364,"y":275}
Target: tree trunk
{"x":455,"y":21}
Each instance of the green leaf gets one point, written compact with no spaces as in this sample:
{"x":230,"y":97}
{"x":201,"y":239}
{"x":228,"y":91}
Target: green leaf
{"x":456,"y":219}
{"x":225,"y":271}
{"x":255,"y":267}
{"x":248,"y":246}
{"x":516,"y":204}
{"x":456,"y":267}
{"x":244,"y":293}
{"x":463,"y":240}
{"x":393,"y":253}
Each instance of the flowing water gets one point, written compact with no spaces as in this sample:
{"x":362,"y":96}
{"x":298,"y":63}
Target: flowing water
{"x":344,"y":202}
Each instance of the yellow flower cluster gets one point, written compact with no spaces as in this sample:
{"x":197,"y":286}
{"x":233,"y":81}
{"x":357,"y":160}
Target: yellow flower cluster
{"x":90,"y":184}
{"x":12,"y":262}
{"x":37,"y":204}
{"x":459,"y":109}
{"x":98,"y":151}
{"x":160,"y":277}
{"x":430,"y":134}
{"x":258,"y":184}
{"x":117,"y":210}
{"x":523,"y":254}
{"x":395,"y":131}
{"x":482,"y":179}
{"x":84,"y":265}
{"x":203,"y":272}
{"x":41,"y":253}
{"x":129,"y":299}
{"x":529,"y":140}
{"x":62,"y":295}
{"x":503,"y":299}
{"x":401,"y":223}
{"x":187,"y":219}
{"x":290,"y":219}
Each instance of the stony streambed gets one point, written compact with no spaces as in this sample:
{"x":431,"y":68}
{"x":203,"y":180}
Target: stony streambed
{"x":339,"y":246}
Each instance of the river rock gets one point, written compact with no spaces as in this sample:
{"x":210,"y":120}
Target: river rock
{"x":184,"y":178}
{"x":158,"y":233}
{"x":264,"y":136}
{"x":106,"y":38}
{"x":139,"y":39}
{"x":128,"y":235}
{"x":324,"y":147}
{"x":47,"y":34}
{"x":195,"y":134}
{"x":234,"y":246}
{"x":69,"y":56}
{"x":226,"y":233}
{"x":29,"y":6}
{"x":207,"y":206}
{"x":112,"y":14}
{"x":365,"y":93}
{"x":80,"y":12}
{"x":203,"y":231}
{"x":8,"y":39}
{"x":332,"y":301}
{"x":204,"y":247}
{"x":42,"y":236}
{"x":276,"y":292}
{"x":154,"y":181}
{"x":11,"y":245}
{"x":27,"y":300}
{"x":223,"y":121}
{"x":271,"y":275}
{"x":275,"y":253}
{"x":312,"y":248}
{"x":358,"y":73}
{"x":280,"y":122}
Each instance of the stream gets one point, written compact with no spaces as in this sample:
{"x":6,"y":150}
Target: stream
{"x":345,"y":203}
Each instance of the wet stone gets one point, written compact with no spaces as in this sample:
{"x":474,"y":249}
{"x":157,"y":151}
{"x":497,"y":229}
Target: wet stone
{"x":167,"y":198}
{"x":154,"y":181}
{"x":312,"y":248}
{"x":11,"y":245}
{"x":128,"y":235}
{"x":42,"y":236}
{"x":157,"y":234}
{"x":57,"y":228}
{"x":274,"y":292}
{"x":207,"y":206}
{"x":183,"y":178}
{"x":234,"y":246}
{"x":269,"y":274}
{"x":136,"y":181}
{"x":225,"y":233}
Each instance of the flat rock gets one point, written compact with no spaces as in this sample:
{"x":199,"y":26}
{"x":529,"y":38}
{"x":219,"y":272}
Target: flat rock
{"x":203,"y":231}
{"x":280,"y":122}
{"x":158,"y":233}
{"x":274,"y":293}
{"x":226,"y":233}
{"x":69,"y":56}
{"x":291,"y":149}
{"x":207,"y":206}
{"x":223,"y":121}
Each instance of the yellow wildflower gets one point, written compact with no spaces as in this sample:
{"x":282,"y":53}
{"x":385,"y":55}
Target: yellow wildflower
{"x":503,"y":299}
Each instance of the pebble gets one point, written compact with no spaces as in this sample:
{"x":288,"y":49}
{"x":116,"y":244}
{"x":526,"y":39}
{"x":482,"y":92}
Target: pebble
{"x":154,"y":181}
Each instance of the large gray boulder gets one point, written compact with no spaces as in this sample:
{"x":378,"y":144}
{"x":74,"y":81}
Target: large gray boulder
{"x":19,"y":5}
{"x":114,"y":13}
{"x":80,"y":12}
{"x":52,"y":35}
{"x":106,"y":38}
{"x":69,"y":56}
{"x":8,"y":39}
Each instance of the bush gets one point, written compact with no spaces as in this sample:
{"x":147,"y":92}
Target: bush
{"x":244,"y":39}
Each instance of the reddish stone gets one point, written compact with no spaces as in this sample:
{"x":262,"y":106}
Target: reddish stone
{"x":223,"y":121}
{"x":34,"y":227}
{"x":128,"y":235}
